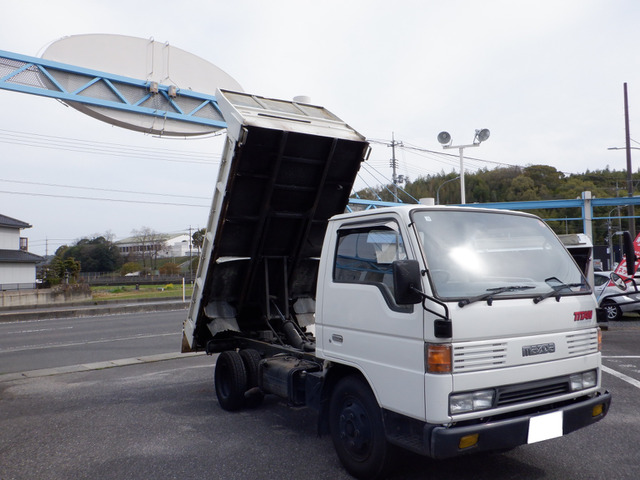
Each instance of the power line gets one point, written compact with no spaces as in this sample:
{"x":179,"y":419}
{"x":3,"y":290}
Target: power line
{"x":120,"y":200}
{"x":105,"y":148}
{"x":425,"y":150}
{"x":406,"y":146}
{"x":101,"y":189}
{"x":110,"y":145}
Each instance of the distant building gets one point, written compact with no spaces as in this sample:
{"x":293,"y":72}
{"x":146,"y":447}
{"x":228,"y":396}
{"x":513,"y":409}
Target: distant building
{"x":160,"y":246}
{"x":17,"y":265}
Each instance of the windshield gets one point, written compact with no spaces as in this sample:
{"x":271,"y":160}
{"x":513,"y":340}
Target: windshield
{"x":487,"y":254}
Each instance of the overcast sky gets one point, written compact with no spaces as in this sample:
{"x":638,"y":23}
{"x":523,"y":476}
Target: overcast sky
{"x":546,"y":77}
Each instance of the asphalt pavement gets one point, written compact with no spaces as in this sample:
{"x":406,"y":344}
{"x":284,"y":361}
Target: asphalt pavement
{"x":155,"y":415}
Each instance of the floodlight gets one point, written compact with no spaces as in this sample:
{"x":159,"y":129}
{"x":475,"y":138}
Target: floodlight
{"x":482,"y":135}
{"x":444,"y":138}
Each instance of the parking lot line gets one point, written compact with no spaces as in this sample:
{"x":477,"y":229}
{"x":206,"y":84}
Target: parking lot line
{"x":621,"y":376}
{"x":621,"y":356}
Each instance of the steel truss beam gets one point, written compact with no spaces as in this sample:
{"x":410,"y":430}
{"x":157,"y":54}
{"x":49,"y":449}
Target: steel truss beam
{"x":69,"y":83}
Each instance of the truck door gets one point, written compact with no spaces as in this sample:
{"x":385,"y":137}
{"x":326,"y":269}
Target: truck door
{"x":363,"y":326}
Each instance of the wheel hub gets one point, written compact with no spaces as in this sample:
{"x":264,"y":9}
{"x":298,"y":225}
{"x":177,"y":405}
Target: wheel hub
{"x":355,"y":429}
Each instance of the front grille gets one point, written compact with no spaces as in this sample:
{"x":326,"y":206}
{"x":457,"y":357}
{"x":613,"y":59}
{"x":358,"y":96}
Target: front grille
{"x":528,"y":392}
{"x":482,"y":356}
{"x":582,"y":343}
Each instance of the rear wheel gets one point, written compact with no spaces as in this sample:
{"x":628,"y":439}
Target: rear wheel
{"x":357,"y":431}
{"x":251,"y":359}
{"x":230,"y":380}
{"x":612,"y":310}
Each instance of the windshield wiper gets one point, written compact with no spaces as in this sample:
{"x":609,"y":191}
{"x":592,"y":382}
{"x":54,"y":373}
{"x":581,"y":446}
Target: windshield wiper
{"x":491,"y":292}
{"x":555,"y":289}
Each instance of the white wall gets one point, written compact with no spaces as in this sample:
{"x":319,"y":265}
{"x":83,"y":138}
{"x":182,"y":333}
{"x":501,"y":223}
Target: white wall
{"x":9,"y":238}
{"x":17,"y":273}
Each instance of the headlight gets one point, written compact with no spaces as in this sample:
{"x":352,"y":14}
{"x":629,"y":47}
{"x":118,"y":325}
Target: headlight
{"x":582,"y":381}
{"x":471,"y":402}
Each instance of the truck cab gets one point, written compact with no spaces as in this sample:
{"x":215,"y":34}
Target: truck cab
{"x":505,"y":324}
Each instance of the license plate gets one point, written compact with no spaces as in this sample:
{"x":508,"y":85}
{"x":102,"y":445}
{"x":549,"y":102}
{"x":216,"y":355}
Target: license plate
{"x":544,"y":427}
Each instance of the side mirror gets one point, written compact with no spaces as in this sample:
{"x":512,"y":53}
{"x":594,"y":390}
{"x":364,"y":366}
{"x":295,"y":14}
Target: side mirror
{"x":407,"y":282}
{"x":618,"y":281}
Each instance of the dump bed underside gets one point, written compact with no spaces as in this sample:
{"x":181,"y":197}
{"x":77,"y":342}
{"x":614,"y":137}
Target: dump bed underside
{"x":269,"y":216}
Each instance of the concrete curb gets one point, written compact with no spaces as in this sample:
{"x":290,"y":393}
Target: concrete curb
{"x":90,"y":311}
{"x":85,"y":367}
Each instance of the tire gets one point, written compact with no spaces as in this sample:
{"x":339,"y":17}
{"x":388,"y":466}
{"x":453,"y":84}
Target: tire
{"x":230,"y":381}
{"x":251,"y":359}
{"x":612,"y":310}
{"x":357,"y":430}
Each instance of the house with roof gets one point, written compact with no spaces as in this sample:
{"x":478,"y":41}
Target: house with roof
{"x":17,"y":265}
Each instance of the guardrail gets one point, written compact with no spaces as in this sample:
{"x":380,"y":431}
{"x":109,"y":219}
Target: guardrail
{"x":17,"y":286}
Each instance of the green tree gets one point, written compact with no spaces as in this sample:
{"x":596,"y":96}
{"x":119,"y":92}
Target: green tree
{"x":546,"y":179}
{"x":63,"y":270}
{"x":95,"y":254}
{"x":522,"y":188}
{"x":198,"y":238}
{"x":169,"y":269}
{"x":130,"y":267}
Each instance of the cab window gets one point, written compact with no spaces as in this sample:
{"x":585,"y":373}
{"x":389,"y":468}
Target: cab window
{"x":365,"y":255}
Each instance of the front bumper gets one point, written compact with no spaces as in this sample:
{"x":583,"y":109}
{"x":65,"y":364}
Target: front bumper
{"x":443,"y":442}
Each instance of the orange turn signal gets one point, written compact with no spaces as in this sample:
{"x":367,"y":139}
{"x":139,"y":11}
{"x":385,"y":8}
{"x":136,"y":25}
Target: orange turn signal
{"x":597,"y":410}
{"x":438,"y":358}
{"x":468,"y":441}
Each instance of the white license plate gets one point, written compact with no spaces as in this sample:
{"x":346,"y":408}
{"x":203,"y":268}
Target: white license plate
{"x":544,"y":427}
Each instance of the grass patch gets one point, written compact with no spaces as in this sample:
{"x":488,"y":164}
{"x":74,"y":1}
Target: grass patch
{"x":101,"y":293}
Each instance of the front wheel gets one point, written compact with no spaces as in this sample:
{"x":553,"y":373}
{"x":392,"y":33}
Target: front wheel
{"x":357,"y":431}
{"x":612,"y":310}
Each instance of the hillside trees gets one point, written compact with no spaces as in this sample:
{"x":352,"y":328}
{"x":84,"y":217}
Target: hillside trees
{"x":513,"y":183}
{"x":97,"y":254}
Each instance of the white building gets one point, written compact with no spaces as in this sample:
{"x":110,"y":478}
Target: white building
{"x":161,"y":246}
{"x":17,"y":265}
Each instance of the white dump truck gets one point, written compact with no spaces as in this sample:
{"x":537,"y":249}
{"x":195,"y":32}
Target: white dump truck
{"x":442,"y":330}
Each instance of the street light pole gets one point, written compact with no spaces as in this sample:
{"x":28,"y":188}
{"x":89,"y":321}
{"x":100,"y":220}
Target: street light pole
{"x":445,"y":139}
{"x":441,"y":185}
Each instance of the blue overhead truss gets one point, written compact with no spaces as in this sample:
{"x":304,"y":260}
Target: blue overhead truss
{"x":69,"y":83}
{"x":585,"y":204}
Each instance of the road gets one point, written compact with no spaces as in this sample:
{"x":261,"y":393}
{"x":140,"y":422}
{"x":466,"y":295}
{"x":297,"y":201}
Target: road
{"x":38,"y":344}
{"x":161,"y":419}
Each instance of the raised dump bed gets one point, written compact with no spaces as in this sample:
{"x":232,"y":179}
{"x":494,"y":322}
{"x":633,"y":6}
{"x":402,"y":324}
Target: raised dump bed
{"x":287,"y":167}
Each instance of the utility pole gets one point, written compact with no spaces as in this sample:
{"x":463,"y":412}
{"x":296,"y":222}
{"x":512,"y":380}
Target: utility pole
{"x":394,"y":165}
{"x":393,"y":162}
{"x":627,"y":134}
{"x":190,"y":259}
